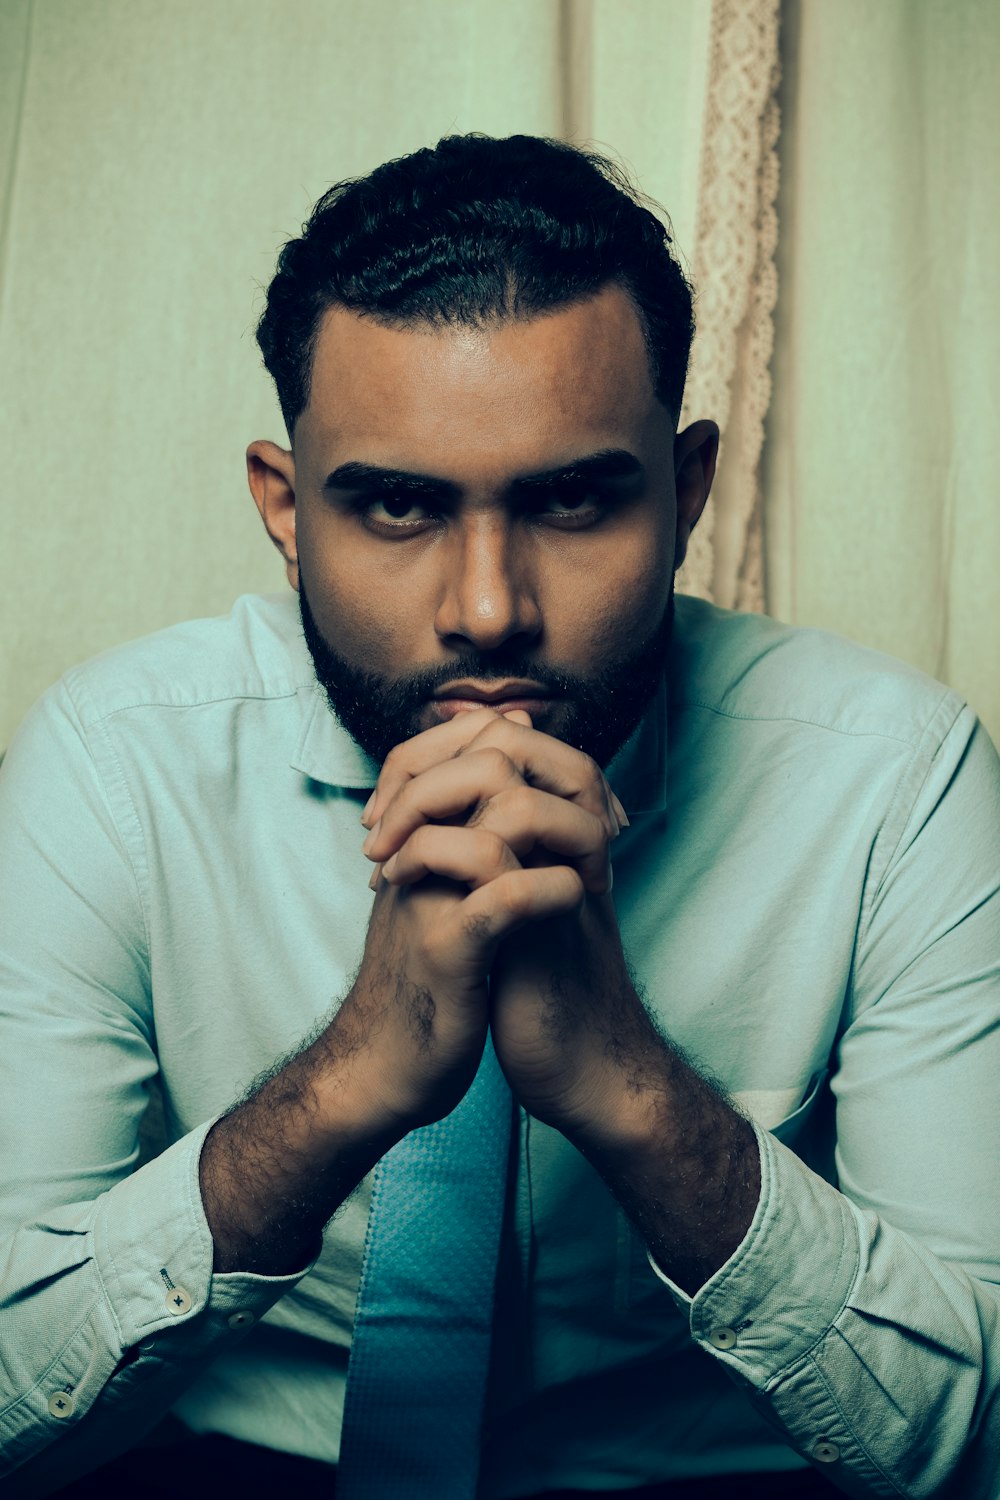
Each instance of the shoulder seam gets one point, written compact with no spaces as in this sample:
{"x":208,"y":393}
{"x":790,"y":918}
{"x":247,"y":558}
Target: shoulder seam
{"x":865,"y":734}
{"x":103,"y":716}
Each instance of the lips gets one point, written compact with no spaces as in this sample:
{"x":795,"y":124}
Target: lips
{"x":464,"y":697}
{"x":470,"y":692}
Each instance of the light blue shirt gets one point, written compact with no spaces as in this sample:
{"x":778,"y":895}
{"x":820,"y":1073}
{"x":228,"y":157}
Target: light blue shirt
{"x":809,"y":897}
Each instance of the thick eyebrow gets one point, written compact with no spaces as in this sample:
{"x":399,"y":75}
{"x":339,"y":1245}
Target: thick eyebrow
{"x":372,"y":479}
{"x":609,"y":463}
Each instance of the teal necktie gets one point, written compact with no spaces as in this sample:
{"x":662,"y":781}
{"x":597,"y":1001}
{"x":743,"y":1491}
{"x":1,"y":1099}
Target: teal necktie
{"x":416,"y":1380}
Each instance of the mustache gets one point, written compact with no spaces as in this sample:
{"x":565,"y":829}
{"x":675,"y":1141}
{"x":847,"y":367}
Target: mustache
{"x":598,"y":712}
{"x":496,"y":666}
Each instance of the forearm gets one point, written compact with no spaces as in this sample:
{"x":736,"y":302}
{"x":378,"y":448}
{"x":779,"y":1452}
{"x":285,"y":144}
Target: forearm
{"x":682,"y":1163}
{"x":583,"y":1053}
{"x":277,"y":1167}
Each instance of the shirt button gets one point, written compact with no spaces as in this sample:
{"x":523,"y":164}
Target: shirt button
{"x":240,"y":1319}
{"x":178,"y":1301}
{"x":61,"y":1404}
{"x":722,"y":1338}
{"x":825,"y":1452}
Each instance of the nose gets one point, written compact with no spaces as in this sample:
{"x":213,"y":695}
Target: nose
{"x":488,"y":596}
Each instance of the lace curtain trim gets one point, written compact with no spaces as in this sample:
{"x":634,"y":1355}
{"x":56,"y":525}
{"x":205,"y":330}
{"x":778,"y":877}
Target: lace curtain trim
{"x":736,"y":280}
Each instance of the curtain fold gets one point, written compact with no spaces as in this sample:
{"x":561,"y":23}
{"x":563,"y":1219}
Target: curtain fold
{"x":158,"y":155}
{"x":882,"y":514}
{"x":153,"y":158}
{"x":15,"y":53}
{"x":736,"y":283}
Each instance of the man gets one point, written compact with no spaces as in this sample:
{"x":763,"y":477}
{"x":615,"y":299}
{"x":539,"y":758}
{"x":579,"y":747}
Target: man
{"x":480,"y":354}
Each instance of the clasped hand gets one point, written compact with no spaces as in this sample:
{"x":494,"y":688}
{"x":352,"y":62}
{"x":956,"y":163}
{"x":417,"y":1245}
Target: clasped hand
{"x":491,"y":845}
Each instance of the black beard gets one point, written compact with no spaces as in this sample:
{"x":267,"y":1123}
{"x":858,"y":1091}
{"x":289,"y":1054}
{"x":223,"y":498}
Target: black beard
{"x":603,"y":711}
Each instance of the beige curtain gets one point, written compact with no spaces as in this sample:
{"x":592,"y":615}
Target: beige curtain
{"x":882,"y":463}
{"x":736,"y":281}
{"x":154,"y":154}
{"x":688,"y":94}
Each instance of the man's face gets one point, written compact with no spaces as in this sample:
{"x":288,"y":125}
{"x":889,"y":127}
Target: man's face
{"x":485,"y":515}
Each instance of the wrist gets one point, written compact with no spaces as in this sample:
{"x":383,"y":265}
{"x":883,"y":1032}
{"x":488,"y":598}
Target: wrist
{"x":685,"y":1167}
{"x":353,"y":1115}
{"x":627,"y":1126}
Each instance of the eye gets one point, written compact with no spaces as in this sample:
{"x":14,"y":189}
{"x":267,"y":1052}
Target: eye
{"x":572,"y":507}
{"x":395,"y":513}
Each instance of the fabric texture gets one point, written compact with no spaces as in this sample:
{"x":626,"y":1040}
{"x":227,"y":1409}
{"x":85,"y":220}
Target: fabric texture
{"x":808,"y":895}
{"x":420,"y":1347}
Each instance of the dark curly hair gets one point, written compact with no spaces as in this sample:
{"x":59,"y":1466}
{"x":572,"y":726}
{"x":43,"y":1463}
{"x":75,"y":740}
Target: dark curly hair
{"x":472,"y":230}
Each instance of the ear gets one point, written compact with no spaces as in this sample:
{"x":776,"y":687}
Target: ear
{"x":271,"y":476}
{"x":695,"y":452}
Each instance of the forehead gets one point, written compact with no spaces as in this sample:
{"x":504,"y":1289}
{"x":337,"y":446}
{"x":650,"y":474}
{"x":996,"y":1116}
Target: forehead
{"x":512,"y":395}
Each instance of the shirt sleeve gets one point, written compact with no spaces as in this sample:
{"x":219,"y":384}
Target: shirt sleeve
{"x":862,"y":1318}
{"x":108,"y":1304}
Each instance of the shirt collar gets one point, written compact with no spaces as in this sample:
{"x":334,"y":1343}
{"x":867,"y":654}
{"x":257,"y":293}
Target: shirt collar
{"x":326,"y":753}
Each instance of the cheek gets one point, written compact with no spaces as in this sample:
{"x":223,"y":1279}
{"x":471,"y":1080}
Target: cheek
{"x":626,"y":622}
{"x":363,"y":615}
{"x":628,"y":596}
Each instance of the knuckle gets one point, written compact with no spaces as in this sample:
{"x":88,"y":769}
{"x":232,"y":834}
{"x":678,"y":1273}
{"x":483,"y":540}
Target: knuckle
{"x":491,"y":724}
{"x":496,"y":761}
{"x":480,"y":720}
{"x":492,"y":848}
{"x":522,"y":801}
{"x":392,"y":766}
{"x":405,"y":802}
{"x":593,"y":773}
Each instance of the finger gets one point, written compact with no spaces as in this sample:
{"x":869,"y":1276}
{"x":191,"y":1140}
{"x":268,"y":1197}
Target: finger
{"x":531,"y":821}
{"x":552,"y":765}
{"x":518,"y":897}
{"x":487,"y":786}
{"x":541,"y":759}
{"x":526,"y":820}
{"x":473,"y":856}
{"x":619,"y":810}
{"x":452,"y":788}
{"x":417,"y":754}
{"x":483,"y":786}
{"x":477,"y":922}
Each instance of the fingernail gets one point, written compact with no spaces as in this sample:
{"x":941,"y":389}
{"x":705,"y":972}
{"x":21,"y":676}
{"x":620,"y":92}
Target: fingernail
{"x":366,"y":815}
{"x":374,"y":880}
{"x":389,"y":866}
{"x":372,"y":838}
{"x":622,"y":814}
